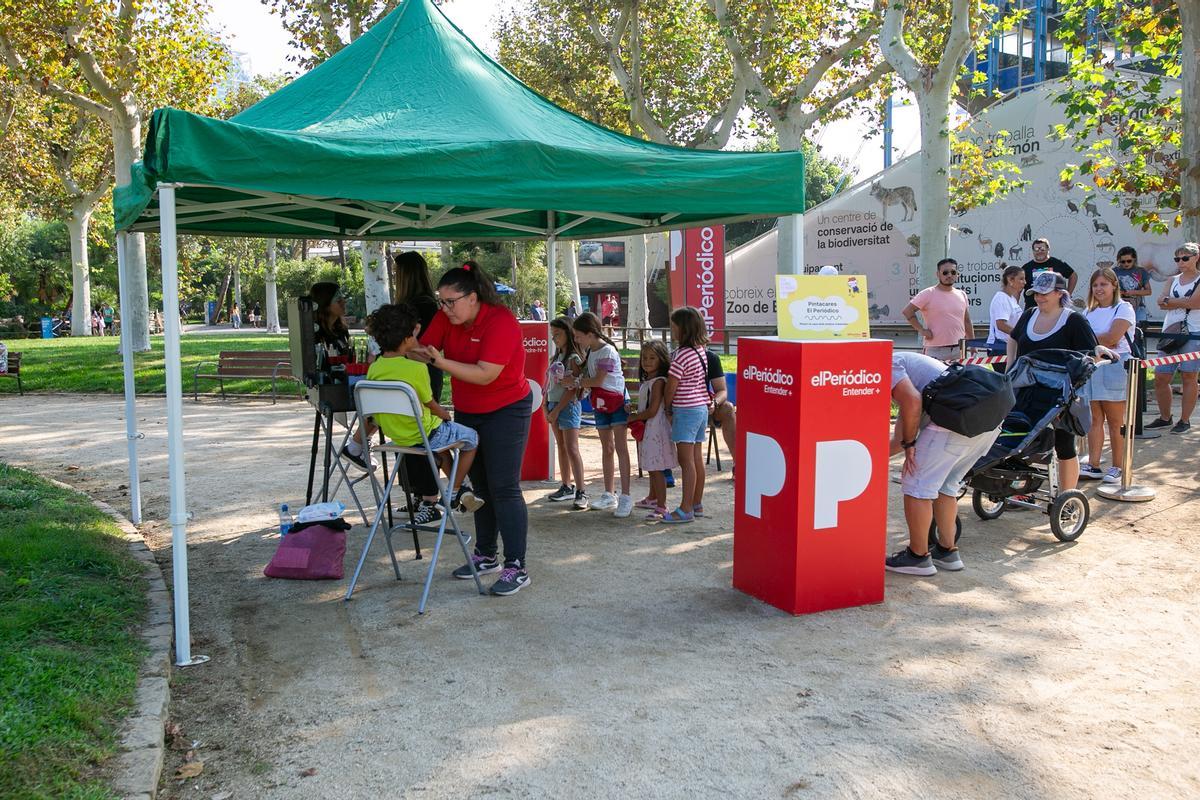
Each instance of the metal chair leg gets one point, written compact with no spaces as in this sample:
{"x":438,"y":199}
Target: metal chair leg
{"x":367,"y":545}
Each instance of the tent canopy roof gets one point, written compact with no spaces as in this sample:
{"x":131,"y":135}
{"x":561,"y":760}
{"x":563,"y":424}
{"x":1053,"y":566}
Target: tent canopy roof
{"x":413,"y":132}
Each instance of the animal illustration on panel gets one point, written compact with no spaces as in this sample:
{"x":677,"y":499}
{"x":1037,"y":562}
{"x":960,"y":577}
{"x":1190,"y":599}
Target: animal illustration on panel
{"x":1090,"y":208}
{"x":984,"y":244}
{"x":1098,"y":226}
{"x":1109,"y":246}
{"x":1014,"y":252}
{"x":1027,"y":233}
{"x":914,"y":245}
{"x":899,"y":195}
{"x":1074,"y":209}
{"x":1030,"y":160}
{"x":1104,"y":265}
{"x":999,"y":251}
{"x":964,"y":232}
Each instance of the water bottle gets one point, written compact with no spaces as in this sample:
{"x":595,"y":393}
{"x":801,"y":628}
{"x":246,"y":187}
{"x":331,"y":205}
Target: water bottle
{"x":285,"y":520}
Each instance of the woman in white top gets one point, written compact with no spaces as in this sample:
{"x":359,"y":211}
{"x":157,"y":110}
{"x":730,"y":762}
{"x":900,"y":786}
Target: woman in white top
{"x":1112,"y":320}
{"x":1006,"y":308}
{"x":1181,"y":301}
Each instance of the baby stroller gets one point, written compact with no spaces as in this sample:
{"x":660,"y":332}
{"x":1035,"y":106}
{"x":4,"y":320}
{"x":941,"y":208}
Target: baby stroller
{"x":1021,"y":468}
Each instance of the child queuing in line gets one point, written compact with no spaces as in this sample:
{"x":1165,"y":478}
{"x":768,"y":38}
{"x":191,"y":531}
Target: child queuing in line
{"x":657,"y":450}
{"x":395,"y":329}
{"x":604,"y":380}
{"x":687,"y":400}
{"x":563,"y":412}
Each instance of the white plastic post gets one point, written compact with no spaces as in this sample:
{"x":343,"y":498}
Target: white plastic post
{"x":179,"y":515}
{"x":797,"y":244}
{"x":131,"y":431}
{"x":1126,"y":491}
{"x":551,"y":313}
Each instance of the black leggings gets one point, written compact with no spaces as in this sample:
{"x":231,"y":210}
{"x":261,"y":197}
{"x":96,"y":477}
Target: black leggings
{"x":496,"y":478}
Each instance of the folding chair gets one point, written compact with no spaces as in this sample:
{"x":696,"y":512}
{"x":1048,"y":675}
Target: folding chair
{"x":712,"y":445}
{"x":396,"y":397}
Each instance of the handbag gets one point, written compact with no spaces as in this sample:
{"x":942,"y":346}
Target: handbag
{"x":1172,"y":346}
{"x":637,"y":429}
{"x":606,"y":400}
{"x":310,"y":552}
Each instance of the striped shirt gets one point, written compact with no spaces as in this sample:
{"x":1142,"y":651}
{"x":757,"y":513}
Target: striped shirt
{"x":689,"y":366}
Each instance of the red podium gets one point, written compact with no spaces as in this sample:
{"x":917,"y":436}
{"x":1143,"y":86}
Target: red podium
{"x":536,"y":466}
{"x":810,"y":518}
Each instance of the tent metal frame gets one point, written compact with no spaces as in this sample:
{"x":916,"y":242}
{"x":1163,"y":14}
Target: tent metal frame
{"x":270,"y":207}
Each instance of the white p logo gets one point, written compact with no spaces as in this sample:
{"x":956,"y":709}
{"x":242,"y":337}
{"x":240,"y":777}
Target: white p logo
{"x":843,"y":470}
{"x":766,"y":471}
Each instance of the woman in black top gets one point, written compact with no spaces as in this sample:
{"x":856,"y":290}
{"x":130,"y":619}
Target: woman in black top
{"x":331,"y":329}
{"x":1051,"y":325}
{"x":414,"y":288}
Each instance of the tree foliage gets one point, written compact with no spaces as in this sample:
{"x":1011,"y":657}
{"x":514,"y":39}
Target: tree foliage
{"x":320,"y":28}
{"x":1128,"y":126}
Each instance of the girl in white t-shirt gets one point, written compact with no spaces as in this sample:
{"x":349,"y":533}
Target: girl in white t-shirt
{"x":602,"y":370}
{"x":1181,"y":302}
{"x":1112,"y":320}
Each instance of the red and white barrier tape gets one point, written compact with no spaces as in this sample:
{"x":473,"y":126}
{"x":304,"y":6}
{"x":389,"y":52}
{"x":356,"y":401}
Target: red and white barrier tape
{"x":982,"y":360}
{"x":1176,"y":359}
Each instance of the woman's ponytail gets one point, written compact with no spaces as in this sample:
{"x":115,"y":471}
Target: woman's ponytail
{"x":471,"y":277}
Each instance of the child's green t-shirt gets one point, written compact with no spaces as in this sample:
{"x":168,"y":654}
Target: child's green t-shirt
{"x":398,"y":428}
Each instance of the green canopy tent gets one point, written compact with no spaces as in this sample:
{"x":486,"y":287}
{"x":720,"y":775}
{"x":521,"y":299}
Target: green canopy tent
{"x":413,"y":132}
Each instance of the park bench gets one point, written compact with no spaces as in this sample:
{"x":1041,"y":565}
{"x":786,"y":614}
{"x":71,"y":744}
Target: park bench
{"x":14,"y":370}
{"x":273,"y":364}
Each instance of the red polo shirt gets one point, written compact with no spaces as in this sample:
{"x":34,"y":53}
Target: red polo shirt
{"x":494,"y":337}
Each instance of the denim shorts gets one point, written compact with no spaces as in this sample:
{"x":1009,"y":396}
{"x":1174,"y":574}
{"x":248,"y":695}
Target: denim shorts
{"x":568,"y":418}
{"x":689,"y":425}
{"x":1107,"y":384}
{"x":943,"y":459}
{"x":607,"y":420}
{"x":1190,"y":346}
{"x":449,"y":432}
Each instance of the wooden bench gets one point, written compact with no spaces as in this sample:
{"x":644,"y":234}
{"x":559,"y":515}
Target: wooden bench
{"x":273,"y":364}
{"x":14,"y":370}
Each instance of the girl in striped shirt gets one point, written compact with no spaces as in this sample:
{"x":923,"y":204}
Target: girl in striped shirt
{"x":687,"y":403}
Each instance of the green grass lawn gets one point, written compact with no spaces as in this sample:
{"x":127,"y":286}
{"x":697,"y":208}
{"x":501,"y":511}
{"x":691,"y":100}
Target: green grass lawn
{"x":92,"y":364}
{"x":72,"y":599}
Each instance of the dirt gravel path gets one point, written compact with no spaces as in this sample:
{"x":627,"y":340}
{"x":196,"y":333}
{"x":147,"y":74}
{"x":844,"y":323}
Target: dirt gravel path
{"x":630,"y":668}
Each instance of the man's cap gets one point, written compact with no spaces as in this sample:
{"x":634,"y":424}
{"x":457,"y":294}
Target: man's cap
{"x":1047,"y":282}
{"x":323,"y":292}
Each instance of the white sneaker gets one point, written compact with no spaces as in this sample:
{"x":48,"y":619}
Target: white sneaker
{"x":605,"y":501}
{"x":624,"y":506}
{"x":1113,"y":475}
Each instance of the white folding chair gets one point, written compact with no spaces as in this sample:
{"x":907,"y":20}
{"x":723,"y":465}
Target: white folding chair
{"x":397,"y":397}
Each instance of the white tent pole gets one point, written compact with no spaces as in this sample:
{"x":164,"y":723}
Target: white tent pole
{"x":179,"y":515}
{"x":131,"y":431}
{"x":551,"y":259}
{"x":798,"y":244}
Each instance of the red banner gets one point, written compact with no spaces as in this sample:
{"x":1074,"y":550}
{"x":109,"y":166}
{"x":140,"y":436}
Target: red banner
{"x":536,"y":465}
{"x":704,"y":277}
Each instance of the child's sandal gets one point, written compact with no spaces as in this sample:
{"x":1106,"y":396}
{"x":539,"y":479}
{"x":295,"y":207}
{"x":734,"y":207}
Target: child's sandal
{"x":698,"y":510}
{"x":657,"y":514}
{"x":676,"y":517}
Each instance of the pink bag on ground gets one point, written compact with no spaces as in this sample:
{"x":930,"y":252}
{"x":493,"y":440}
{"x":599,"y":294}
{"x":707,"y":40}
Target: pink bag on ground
{"x":313,"y":553}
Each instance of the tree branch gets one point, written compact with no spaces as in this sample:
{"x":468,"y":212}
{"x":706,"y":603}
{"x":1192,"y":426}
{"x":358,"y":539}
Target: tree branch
{"x":45,"y":86}
{"x":87,"y":62}
{"x":893,"y":46}
{"x":806,"y":118}
{"x":742,"y":68}
{"x":634,"y":93}
{"x":829,"y":58}
{"x":959,"y":39}
{"x":716,"y":132}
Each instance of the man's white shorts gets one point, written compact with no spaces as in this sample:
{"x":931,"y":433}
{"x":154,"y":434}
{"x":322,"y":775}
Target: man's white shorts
{"x":943,"y":458}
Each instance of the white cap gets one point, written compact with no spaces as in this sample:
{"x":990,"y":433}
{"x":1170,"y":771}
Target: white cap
{"x":828,"y":269}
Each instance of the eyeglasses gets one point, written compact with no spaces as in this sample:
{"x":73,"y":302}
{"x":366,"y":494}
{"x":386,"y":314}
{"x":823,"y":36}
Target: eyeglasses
{"x":448,"y":302}
{"x":1041,"y":247}
{"x":1182,"y":258}
{"x":1124,"y":260}
{"x":950,"y":272}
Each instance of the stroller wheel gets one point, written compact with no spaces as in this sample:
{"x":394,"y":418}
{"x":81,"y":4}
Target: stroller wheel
{"x":1069,"y":514}
{"x":933,"y":531}
{"x":987,"y":506}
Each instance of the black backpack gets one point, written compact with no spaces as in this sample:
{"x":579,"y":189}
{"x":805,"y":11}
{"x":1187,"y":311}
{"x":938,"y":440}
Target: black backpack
{"x":968,"y":399}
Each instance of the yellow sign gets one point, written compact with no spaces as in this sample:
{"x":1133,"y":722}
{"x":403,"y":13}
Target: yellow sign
{"x":822,"y":306}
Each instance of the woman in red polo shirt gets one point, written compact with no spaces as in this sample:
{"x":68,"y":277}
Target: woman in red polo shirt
{"x":477,"y":342}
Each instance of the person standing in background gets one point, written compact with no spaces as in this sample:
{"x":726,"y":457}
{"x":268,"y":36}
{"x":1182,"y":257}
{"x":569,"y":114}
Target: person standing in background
{"x":1041,"y":262}
{"x":572,"y":312}
{"x":1135,"y":282}
{"x":946,"y":318}
{"x":1004,"y":311}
